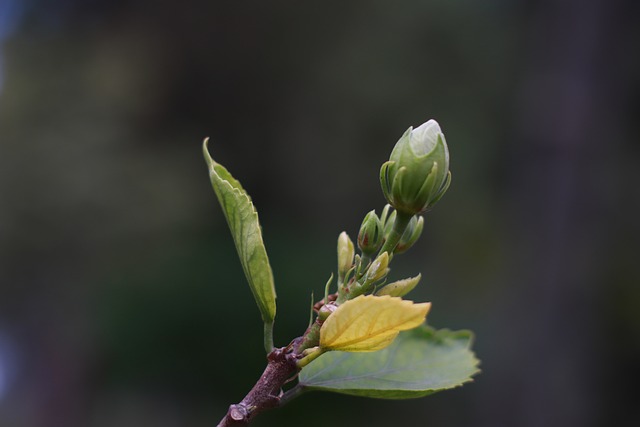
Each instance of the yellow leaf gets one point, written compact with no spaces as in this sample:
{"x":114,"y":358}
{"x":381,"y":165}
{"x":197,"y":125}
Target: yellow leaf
{"x":370,"y":323}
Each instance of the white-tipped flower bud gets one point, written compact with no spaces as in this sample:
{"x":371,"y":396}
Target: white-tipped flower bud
{"x":417,"y":173}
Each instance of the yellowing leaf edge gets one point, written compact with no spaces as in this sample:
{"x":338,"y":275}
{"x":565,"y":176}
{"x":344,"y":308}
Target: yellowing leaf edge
{"x":370,"y":323}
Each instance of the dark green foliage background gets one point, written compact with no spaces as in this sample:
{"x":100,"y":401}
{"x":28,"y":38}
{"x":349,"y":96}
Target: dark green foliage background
{"x":122,"y":302}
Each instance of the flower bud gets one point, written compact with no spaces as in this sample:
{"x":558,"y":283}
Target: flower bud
{"x":346,"y":251}
{"x":410,"y":235}
{"x":417,"y":173}
{"x":325,"y":311}
{"x":378,"y":269}
{"x":399,"y":288}
{"x":370,"y":236}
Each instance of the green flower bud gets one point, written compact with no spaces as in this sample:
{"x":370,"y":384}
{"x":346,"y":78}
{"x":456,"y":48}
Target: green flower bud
{"x":417,"y":173}
{"x":370,"y":236}
{"x":346,"y":251}
{"x":410,"y":235}
{"x":378,"y":269}
{"x":400,"y":288}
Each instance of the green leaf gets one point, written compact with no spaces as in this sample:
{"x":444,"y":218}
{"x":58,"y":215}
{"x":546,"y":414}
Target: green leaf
{"x":399,"y":288}
{"x":242,"y":218}
{"x":420,"y":362}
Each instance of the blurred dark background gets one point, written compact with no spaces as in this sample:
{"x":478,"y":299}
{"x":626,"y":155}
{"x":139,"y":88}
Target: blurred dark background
{"x":122,"y":302}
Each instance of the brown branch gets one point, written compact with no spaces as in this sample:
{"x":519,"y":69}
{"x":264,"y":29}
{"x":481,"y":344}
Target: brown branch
{"x":267,"y":392}
{"x":282,"y":367}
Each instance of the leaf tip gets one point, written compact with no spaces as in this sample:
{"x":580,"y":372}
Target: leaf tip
{"x":425,"y":308}
{"x":207,"y":155}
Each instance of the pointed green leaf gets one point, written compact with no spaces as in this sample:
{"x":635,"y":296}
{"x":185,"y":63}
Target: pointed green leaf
{"x":399,"y":288}
{"x":242,"y":218}
{"x":420,"y":362}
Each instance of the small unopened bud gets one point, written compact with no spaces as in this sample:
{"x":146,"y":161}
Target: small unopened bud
{"x":410,"y":235}
{"x":400,"y":288}
{"x":325,"y":311}
{"x":417,"y":173}
{"x":370,"y":236}
{"x":378,"y":269}
{"x":346,"y":251}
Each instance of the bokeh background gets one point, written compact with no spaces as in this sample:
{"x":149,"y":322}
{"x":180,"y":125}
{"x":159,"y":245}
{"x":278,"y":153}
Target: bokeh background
{"x":122,"y":302}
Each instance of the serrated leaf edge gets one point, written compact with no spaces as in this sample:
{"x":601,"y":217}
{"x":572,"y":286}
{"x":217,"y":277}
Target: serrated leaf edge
{"x":235,"y":187}
{"x":439,"y":335}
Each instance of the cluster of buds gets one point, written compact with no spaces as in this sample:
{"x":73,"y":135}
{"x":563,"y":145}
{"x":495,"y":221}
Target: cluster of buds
{"x":413,"y":181}
{"x":366,"y":273}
